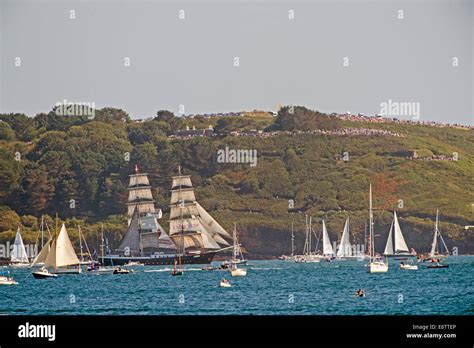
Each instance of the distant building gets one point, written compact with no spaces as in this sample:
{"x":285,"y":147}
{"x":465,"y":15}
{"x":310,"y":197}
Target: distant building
{"x":193,"y":133}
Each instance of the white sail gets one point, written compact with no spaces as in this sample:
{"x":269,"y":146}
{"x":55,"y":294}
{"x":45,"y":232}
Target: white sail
{"x":139,"y":180}
{"x":185,"y":195}
{"x":212,"y":233}
{"x":389,"y":246}
{"x":186,"y":210}
{"x":437,"y":234}
{"x":434,"y":245}
{"x":400,"y":244}
{"x":18,"y":253}
{"x":139,"y":193}
{"x":345,"y":245}
{"x":190,"y":241}
{"x":143,"y":207}
{"x":181,"y":181}
{"x":62,"y":252}
{"x":327,"y":247}
{"x":211,"y":222}
{"x":41,"y":257}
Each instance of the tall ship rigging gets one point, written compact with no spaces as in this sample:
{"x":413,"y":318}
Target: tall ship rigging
{"x":194,"y":236}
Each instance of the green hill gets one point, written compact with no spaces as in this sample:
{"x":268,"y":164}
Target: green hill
{"x":78,"y":168}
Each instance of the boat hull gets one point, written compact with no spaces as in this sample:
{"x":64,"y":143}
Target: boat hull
{"x":377,"y":267}
{"x":43,"y":275}
{"x":198,"y":259}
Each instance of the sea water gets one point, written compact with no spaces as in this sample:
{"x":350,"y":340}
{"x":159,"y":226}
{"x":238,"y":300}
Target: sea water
{"x":270,"y":287}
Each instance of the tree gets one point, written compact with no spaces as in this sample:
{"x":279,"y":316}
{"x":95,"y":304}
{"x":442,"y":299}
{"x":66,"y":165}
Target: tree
{"x":6,"y":132}
{"x":109,"y":114}
{"x":38,"y":189}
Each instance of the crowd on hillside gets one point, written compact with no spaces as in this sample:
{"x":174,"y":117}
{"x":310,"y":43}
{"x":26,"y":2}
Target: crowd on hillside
{"x":385,"y":119}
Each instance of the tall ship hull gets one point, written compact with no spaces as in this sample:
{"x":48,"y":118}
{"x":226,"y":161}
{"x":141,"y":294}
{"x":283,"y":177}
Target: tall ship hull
{"x":159,"y":260}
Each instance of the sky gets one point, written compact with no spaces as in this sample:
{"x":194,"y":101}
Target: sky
{"x":331,"y":56}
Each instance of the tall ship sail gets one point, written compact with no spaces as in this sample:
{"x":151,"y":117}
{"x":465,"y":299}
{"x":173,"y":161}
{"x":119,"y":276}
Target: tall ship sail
{"x":193,"y":234}
{"x":192,"y":228}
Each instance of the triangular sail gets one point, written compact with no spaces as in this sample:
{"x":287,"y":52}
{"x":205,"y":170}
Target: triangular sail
{"x":62,"y":252}
{"x":389,"y":246}
{"x":18,"y":253}
{"x":41,"y":257}
{"x":131,"y":240}
{"x":400,"y":244}
{"x":327,"y":247}
{"x":437,"y":234}
{"x":345,"y":245}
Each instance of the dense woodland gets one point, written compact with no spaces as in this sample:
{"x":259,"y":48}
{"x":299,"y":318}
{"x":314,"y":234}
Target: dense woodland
{"x":78,"y":167}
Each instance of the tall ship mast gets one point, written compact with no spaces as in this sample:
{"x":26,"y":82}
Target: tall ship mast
{"x":192,"y":229}
{"x":194,"y":235}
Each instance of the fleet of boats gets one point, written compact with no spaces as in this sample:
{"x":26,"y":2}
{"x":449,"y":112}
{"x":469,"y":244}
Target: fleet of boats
{"x":195,"y":237}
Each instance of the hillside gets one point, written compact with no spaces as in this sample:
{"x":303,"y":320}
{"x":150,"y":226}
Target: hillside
{"x":79,"y":167}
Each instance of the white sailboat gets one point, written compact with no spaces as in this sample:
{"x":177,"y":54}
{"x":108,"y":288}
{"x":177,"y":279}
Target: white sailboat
{"x":237,"y":255}
{"x":344,"y":250}
{"x":396,"y":245}
{"x":376,"y":265}
{"x":308,"y":256}
{"x":18,"y":256}
{"x":62,"y":258}
{"x":327,"y":247}
{"x":437,"y":238}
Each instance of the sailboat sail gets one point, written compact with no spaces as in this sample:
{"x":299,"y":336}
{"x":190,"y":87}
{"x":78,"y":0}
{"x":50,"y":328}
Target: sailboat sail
{"x":327,"y":247}
{"x":18,"y":253}
{"x":436,"y":236}
{"x":400,"y":244}
{"x":62,"y":252}
{"x":42,"y":255}
{"x":389,"y":246}
{"x":345,"y":249}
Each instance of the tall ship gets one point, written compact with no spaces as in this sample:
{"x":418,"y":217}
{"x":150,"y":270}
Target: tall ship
{"x":194,"y":236}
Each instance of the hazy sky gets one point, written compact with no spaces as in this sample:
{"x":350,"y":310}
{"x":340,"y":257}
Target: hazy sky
{"x":190,"y":62}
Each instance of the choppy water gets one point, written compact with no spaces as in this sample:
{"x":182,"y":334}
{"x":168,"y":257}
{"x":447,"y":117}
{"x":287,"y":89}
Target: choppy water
{"x":270,"y":287}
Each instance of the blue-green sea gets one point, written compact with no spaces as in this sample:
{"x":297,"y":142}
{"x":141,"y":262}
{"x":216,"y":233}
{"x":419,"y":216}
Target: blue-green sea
{"x":270,"y":287}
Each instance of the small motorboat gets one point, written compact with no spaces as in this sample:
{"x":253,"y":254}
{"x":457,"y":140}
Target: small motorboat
{"x":133,"y":263}
{"x":5,"y":279}
{"x":225,"y":283}
{"x":209,"y":268}
{"x":408,"y":266}
{"x":438,"y":265}
{"x":119,"y":270}
{"x":43,"y":273}
{"x":19,"y":264}
{"x":238,"y":272}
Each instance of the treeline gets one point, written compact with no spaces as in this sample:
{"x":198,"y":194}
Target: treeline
{"x":78,"y":167}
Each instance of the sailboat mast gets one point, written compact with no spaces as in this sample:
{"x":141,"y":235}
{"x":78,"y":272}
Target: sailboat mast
{"x":42,"y":231}
{"x":55,"y":244}
{"x":371,"y":224}
{"x":102,"y":244}
{"x":309,"y":234}
{"x":80,"y":243}
{"x":292,"y":240}
{"x":234,"y":236}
